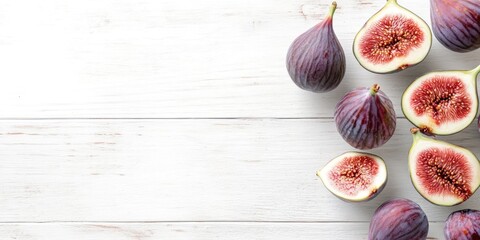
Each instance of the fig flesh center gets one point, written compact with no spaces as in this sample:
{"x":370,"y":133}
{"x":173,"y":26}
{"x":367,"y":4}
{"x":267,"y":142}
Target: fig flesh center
{"x":391,"y":37}
{"x":441,"y":98}
{"x":444,"y":172}
{"x":354,"y":174}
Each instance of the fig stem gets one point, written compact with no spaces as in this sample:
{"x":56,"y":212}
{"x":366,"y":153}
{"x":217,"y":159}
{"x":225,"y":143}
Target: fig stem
{"x":374,"y":89}
{"x":331,"y":11}
{"x":414,"y":130}
{"x":476,"y":70}
{"x":422,"y":130}
{"x":415,"y":134}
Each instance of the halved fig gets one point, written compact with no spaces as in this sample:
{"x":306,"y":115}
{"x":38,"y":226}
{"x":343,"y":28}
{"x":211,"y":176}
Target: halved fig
{"x":391,"y":40}
{"x":442,"y":103}
{"x":354,"y":176}
{"x":443,"y":173}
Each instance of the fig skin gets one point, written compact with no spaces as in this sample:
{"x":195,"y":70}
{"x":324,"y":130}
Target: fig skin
{"x":365,"y":118}
{"x":398,"y":219}
{"x":456,"y":23}
{"x":315,"y":60}
{"x":463,"y":225}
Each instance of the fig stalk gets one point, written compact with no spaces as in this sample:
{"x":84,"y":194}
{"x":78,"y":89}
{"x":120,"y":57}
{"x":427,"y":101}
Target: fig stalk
{"x":414,"y":131}
{"x":475,"y":71}
{"x":374,"y":89}
{"x":331,"y":10}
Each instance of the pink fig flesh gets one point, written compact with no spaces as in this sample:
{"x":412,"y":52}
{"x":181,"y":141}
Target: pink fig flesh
{"x":444,"y":172}
{"x":397,"y":30}
{"x":354,"y":176}
{"x":444,"y":98}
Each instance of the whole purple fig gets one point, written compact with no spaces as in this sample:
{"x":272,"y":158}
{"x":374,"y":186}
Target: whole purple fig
{"x":463,"y":225}
{"x":365,"y":118}
{"x":456,"y":23}
{"x":315,"y":60}
{"x":398,"y":219}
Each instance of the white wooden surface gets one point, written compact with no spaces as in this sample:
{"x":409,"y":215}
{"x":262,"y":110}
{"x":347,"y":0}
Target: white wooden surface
{"x":177,"y":120}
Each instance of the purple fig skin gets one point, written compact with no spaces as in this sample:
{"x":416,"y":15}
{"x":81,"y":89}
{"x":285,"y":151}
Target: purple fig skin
{"x":456,"y":23}
{"x":315,"y":60}
{"x":463,"y":225}
{"x":398,"y":219}
{"x":365,"y":118}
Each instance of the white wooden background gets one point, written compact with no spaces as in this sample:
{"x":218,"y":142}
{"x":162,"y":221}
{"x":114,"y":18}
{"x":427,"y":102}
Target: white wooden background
{"x":165,"y":119}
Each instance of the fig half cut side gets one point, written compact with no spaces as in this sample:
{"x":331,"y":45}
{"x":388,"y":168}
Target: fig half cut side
{"x":442,"y":103}
{"x":354,"y":176}
{"x":443,"y":173}
{"x":392,"y":40}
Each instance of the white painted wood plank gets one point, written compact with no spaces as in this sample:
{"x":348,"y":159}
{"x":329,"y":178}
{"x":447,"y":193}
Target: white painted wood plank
{"x":189,"y":170}
{"x":194,"y":231}
{"x":150,"y":58}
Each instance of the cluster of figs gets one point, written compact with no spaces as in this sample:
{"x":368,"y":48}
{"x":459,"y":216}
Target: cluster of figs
{"x":437,"y":103}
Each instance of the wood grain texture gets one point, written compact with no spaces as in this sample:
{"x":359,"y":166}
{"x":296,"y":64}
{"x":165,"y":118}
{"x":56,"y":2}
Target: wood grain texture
{"x":193,"y":231}
{"x":127,"y":156}
{"x":170,"y":59}
{"x":190,"y":170}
